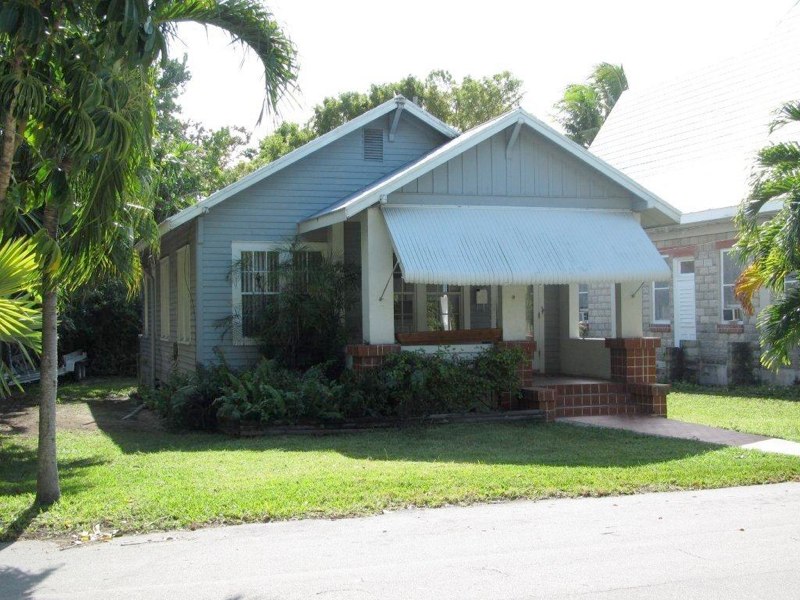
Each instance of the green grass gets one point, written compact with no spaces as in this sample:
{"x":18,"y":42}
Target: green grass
{"x":140,"y":481}
{"x":93,"y":388}
{"x":749,"y":411}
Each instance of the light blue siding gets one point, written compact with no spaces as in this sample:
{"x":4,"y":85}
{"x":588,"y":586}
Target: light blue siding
{"x":536,"y":173}
{"x":270,"y":210}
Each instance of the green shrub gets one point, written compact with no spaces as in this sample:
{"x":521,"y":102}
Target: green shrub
{"x":186,"y":401}
{"x":271,"y":394}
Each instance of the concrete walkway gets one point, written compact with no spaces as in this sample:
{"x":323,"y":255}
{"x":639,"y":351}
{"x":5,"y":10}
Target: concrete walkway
{"x":689,"y":431}
{"x":727,"y":544}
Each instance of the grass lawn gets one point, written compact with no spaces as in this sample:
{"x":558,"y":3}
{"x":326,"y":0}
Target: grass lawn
{"x":751,"y":411}
{"x":139,"y":480}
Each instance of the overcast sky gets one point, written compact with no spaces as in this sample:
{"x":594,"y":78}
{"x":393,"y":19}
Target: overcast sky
{"x":348,"y":44}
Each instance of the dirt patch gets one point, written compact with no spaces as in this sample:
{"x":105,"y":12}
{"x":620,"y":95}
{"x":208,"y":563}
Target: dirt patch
{"x":20,"y":416}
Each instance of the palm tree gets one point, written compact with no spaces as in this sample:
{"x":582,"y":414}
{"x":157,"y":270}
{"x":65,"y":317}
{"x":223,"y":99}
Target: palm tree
{"x":772,"y":246}
{"x":584,"y":107}
{"x":20,"y":319}
{"x":81,"y":153}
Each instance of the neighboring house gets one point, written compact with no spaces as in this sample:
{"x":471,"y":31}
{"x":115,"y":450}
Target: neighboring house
{"x":460,"y":240}
{"x":693,"y":142}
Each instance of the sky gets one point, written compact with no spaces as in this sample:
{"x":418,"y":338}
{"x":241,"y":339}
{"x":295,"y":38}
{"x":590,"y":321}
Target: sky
{"x":349,"y":44}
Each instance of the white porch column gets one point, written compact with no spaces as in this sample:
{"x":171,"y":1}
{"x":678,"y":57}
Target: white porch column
{"x":628,"y":305}
{"x":337,"y":242}
{"x":376,"y":271}
{"x":573,"y":311}
{"x":513,"y":314}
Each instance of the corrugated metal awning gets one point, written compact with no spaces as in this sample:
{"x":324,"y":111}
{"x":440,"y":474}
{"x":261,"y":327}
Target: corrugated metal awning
{"x":520,"y":245}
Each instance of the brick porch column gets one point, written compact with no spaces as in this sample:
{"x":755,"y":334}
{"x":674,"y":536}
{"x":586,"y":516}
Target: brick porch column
{"x":633,"y":362}
{"x":368,"y":356}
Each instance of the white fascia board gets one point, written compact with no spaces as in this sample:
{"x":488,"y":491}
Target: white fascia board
{"x":725,"y":212}
{"x":195,"y":210}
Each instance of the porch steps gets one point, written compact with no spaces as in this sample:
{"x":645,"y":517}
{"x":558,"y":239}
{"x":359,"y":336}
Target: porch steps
{"x":572,"y":397}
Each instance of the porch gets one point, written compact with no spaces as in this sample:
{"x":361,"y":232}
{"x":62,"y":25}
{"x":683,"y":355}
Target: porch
{"x":459,"y":279}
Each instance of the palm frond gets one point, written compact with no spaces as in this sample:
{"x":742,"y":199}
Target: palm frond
{"x":248,"y":23}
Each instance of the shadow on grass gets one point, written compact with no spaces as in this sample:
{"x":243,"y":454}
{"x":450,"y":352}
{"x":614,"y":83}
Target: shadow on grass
{"x":486,"y":443}
{"x":18,"y":477}
{"x":16,"y":583}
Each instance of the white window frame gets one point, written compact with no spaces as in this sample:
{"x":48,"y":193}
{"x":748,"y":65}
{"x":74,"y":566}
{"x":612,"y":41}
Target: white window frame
{"x":583,"y":293}
{"x":667,"y":283}
{"x":184,"y":295}
{"x":237,"y":248}
{"x":163,"y":299}
{"x":722,"y":285}
{"x":145,"y":306}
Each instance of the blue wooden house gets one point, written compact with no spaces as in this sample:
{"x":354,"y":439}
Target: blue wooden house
{"x":491,"y":231}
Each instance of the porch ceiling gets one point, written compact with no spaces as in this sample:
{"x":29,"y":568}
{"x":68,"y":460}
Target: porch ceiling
{"x":520,"y":245}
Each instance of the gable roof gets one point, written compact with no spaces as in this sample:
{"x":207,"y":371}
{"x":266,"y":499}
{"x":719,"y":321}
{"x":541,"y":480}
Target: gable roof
{"x":357,"y":202}
{"x":398,"y":102}
{"x":693,"y":140}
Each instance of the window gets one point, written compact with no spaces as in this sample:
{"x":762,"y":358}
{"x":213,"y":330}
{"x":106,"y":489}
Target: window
{"x":184,"y":312}
{"x":163,"y":297}
{"x":403,"y":303}
{"x":661,"y":298}
{"x":443,"y":307}
{"x":730,"y":271}
{"x":256,"y":282}
{"x":145,"y":306}
{"x":583,"y":302}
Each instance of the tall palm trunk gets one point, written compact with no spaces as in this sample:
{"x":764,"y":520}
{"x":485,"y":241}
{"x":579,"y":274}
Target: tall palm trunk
{"x":10,"y":137}
{"x":48,"y":489}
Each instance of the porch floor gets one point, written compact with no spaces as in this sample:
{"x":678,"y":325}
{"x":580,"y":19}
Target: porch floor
{"x":557,"y":380}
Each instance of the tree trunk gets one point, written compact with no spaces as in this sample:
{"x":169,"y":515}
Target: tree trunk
{"x":9,"y":145}
{"x":47,"y":486}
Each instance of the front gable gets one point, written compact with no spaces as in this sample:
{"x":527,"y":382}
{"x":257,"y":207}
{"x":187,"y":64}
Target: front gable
{"x":531,"y":171}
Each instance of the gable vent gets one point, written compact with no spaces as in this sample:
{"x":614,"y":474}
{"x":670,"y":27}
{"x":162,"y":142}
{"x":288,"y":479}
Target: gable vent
{"x":373,"y":144}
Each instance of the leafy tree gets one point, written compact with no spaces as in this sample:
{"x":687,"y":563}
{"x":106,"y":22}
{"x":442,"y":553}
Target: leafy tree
{"x":772,"y":246}
{"x":76,"y":97}
{"x":463,"y":105}
{"x":191,"y":161}
{"x":584,"y":107}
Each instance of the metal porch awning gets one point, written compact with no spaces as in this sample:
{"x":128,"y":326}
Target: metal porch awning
{"x":482,"y":245}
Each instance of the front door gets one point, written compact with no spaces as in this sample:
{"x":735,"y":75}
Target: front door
{"x":685,"y":320}
{"x":535,"y":311}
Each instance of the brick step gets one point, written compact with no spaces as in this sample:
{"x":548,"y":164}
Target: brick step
{"x":597,"y":411}
{"x":592,"y":400}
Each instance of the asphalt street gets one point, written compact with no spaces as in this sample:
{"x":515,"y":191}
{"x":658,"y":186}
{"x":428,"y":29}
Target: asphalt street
{"x":727,"y":544}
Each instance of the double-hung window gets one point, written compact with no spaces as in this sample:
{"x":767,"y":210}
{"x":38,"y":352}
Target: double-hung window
{"x":443,"y":307}
{"x":403,"y":303}
{"x":256,"y":279}
{"x":184,"y":310}
{"x":661,"y":300}
{"x":145,"y":306}
{"x":163,"y":298}
{"x":583,"y":302}
{"x":730,"y":269}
